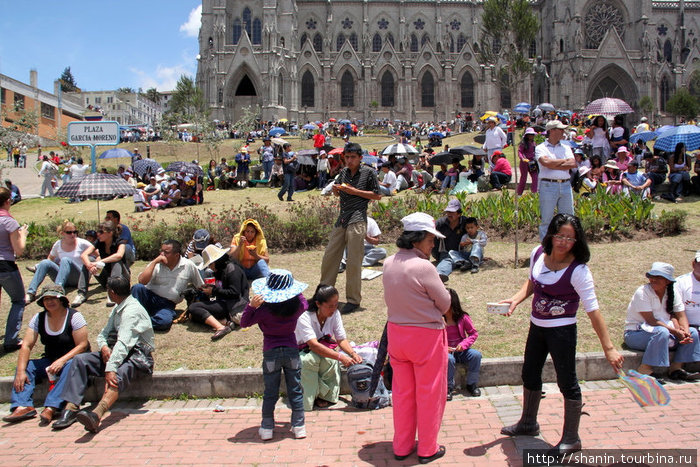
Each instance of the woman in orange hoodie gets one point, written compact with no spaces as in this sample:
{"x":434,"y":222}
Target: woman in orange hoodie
{"x":249,"y":249}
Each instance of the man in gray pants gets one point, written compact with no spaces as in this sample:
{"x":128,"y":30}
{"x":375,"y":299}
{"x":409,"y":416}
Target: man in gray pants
{"x":126,"y":343}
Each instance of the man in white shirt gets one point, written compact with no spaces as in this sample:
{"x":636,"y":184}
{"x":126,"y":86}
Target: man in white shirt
{"x":163,"y":282}
{"x":554,"y":160}
{"x":388,"y":184}
{"x":689,"y":287}
{"x":643,"y":126}
{"x":78,"y":170}
{"x":495,"y":138}
{"x":373,"y":254}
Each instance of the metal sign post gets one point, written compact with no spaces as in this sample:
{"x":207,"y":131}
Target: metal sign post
{"x":93,"y":134}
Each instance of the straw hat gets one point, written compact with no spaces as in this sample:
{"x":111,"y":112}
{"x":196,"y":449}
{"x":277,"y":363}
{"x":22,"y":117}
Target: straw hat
{"x":211,"y":254}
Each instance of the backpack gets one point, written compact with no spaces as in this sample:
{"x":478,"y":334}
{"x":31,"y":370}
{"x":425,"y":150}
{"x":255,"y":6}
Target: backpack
{"x":483,"y":184}
{"x":360,"y":380}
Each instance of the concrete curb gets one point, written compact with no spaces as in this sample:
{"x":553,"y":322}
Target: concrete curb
{"x":248,"y":382}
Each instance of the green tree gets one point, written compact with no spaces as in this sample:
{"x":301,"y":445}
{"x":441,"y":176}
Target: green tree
{"x":125,"y":90}
{"x":683,"y":104}
{"x":249,"y":119}
{"x":188,"y":100}
{"x":153,"y":95}
{"x":67,"y":81}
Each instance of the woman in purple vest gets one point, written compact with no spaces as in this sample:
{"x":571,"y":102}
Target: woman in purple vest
{"x":559,"y":280}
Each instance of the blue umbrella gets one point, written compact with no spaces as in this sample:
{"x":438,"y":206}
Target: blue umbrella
{"x":115,"y":152}
{"x":344,"y":122}
{"x":642,"y":136}
{"x":437,"y":133}
{"x":522,"y":108}
{"x":309,"y":126}
{"x":686,"y":134}
{"x":276,"y":131}
{"x":663,"y":129}
{"x":568,"y":142}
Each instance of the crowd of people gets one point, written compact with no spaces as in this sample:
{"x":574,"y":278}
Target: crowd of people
{"x":428,"y":330}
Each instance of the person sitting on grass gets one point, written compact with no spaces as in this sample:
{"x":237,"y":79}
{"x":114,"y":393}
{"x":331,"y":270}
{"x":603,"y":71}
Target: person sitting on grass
{"x":501,"y":173}
{"x":636,"y":182}
{"x":321,"y":336}
{"x":471,"y":247}
{"x":126,"y":345}
{"x":63,"y":264}
{"x":226,"y":292}
{"x":387,"y":186}
{"x":453,"y":226}
{"x":63,"y":333}
{"x":656,"y":323}
{"x":249,"y":249}
{"x":109,"y":262}
{"x":461,"y":335}
{"x":162,"y":284}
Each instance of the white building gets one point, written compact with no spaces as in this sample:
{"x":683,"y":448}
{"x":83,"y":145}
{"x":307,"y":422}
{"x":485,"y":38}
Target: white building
{"x":125,"y":108}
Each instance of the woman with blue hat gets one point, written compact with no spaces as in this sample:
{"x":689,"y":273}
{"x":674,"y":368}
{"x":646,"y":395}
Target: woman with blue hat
{"x":275,"y":307}
{"x":656,"y":323}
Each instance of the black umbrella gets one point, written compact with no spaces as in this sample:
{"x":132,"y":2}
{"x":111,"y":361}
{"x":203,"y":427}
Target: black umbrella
{"x":187,"y":167}
{"x":445,"y":158}
{"x":473,"y":150}
{"x":96,"y":186}
{"x":143,"y":166}
{"x":480,"y":138}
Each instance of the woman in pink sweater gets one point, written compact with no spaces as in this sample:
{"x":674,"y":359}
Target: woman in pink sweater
{"x":501,"y":173}
{"x":416,"y":301}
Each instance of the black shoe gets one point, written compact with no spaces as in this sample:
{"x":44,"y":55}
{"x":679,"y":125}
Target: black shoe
{"x":444,"y":278}
{"x":280,"y":197}
{"x":341,"y":268}
{"x":349,"y":308}
{"x":466,"y":266}
{"x":475,"y":269}
{"x":682,"y":375}
{"x":66,"y":419}
{"x":473,"y":390}
{"x":402,"y":458}
{"x":89,"y":420}
{"x":449,"y":396}
{"x":440,"y":453}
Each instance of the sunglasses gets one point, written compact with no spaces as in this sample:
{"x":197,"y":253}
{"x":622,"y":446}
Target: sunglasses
{"x":70,"y":232}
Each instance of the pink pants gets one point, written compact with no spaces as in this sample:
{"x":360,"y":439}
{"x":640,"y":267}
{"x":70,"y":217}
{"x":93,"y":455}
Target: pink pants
{"x":159,"y":203}
{"x":419,"y":387}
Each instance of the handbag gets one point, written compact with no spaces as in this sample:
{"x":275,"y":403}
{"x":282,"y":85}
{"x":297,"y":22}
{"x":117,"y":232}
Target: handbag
{"x":533,"y":166}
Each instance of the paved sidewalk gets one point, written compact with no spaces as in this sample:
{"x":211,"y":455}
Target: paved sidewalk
{"x":191,"y":433}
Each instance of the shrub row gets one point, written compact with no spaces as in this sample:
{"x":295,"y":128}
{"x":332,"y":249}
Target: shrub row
{"x":307,"y":224}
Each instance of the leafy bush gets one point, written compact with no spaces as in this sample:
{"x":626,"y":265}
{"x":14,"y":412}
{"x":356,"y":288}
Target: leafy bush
{"x":671,"y":222}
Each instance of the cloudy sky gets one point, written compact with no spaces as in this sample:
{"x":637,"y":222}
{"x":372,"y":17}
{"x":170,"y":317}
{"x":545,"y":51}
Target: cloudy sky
{"x":107,"y":43}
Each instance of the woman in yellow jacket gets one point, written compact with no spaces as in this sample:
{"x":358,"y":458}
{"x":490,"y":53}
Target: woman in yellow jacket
{"x":249,"y":249}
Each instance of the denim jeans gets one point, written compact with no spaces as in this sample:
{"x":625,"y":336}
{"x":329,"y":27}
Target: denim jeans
{"x":161,"y":310}
{"x":680,"y":182}
{"x":256,"y":271}
{"x":445,"y":263}
{"x":385,"y":190}
{"x":498,"y":179}
{"x":267,"y":169}
{"x":13,"y":285}
{"x":64,"y":274}
{"x":36,"y":373}
{"x":469,"y":357}
{"x":288,"y":186}
{"x":554,"y":195}
{"x":474,"y":255}
{"x":655,"y":346}
{"x":560,"y":343}
{"x":274,"y":361}
{"x":322,"y":179}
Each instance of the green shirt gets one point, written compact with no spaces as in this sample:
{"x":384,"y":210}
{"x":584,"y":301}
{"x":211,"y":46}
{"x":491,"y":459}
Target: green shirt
{"x":130,"y":323}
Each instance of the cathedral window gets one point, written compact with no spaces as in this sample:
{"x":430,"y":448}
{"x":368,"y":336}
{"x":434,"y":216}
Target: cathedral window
{"x":427,"y":88}
{"x":347,"y":90}
{"x":237,"y":31}
{"x":461,"y":41}
{"x":257,"y":31}
{"x":414,"y":43}
{"x":339,"y":41}
{"x":303,"y":40}
{"x":390,"y":38}
{"x":318,"y":42}
{"x":599,"y":18}
{"x":353,"y":41}
{"x":280,"y":90}
{"x":247,"y":21}
{"x":425,"y":39}
{"x":307,"y":90}
{"x":376,"y":43}
{"x":387,"y":89}
{"x":664,"y":93}
{"x":466,"y":88}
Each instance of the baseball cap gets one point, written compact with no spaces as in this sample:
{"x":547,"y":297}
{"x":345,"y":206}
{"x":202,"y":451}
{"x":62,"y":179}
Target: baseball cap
{"x":420,"y":222}
{"x":201,"y":238}
{"x":453,"y":206}
{"x":555,"y":124}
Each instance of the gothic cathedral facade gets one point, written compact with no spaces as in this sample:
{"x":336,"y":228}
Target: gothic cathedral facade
{"x":418,"y":60}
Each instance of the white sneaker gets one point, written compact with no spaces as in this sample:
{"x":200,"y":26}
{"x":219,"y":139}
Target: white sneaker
{"x":29,"y":298}
{"x":78,"y":300}
{"x":299,"y":432}
{"x":265,"y":433}
{"x":109,"y":303}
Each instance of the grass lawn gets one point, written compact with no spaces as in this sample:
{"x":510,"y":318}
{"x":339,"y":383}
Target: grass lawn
{"x":618,"y":269}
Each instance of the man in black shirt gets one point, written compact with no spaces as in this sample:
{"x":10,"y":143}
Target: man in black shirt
{"x":452,"y":225}
{"x":356,"y":185}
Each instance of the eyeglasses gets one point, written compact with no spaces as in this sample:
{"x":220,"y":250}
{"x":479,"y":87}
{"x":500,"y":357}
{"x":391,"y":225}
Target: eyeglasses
{"x":561,"y":238}
{"x":100,"y":232}
{"x":70,"y":232}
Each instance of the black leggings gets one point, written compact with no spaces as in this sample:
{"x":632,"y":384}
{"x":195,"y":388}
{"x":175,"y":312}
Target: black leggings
{"x":200,"y":311}
{"x":560,"y":343}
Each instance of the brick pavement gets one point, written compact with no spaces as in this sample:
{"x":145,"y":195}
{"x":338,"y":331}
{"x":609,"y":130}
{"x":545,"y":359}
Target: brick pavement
{"x":190,"y":432}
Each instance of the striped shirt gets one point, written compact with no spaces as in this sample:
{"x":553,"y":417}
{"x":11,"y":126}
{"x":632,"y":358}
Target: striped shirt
{"x":353,"y":208}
